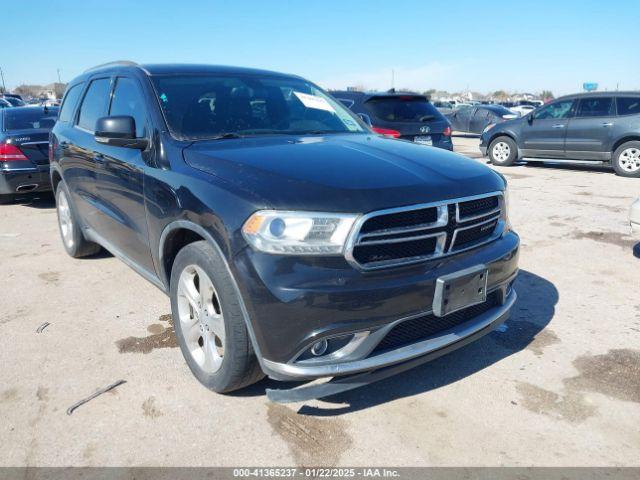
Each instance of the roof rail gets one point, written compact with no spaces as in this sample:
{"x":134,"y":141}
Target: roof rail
{"x":122,"y":63}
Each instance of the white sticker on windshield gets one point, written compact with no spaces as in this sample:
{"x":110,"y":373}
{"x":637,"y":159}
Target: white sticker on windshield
{"x":311,"y":101}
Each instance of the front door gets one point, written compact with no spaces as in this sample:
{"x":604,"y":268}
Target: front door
{"x":590,"y":130}
{"x":543,"y":135}
{"x":80,"y":166}
{"x":120,"y":181}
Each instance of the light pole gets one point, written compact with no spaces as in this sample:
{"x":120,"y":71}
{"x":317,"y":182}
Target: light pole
{"x":4,"y":88}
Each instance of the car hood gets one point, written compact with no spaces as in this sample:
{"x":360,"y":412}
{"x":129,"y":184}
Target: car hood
{"x":341,"y":173}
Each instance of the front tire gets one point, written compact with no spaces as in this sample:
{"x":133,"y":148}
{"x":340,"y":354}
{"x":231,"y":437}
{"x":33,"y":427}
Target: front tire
{"x":503,"y":151}
{"x":70,"y":232}
{"x":209,"y":322}
{"x":626,"y":160}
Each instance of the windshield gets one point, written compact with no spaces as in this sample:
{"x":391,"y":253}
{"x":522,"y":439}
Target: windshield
{"x":403,"y":109}
{"x":29,"y":118}
{"x":211,"y":106}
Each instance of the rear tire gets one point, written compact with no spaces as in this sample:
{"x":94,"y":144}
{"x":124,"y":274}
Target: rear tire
{"x":626,"y":160}
{"x":70,"y":232}
{"x":209,"y":322}
{"x":503,"y":151}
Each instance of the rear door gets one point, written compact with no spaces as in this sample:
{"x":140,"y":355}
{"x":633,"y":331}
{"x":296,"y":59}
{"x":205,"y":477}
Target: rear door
{"x":480,"y":119}
{"x":460,"y":118}
{"x":589,"y":132}
{"x":544,"y":135}
{"x":119,"y":187}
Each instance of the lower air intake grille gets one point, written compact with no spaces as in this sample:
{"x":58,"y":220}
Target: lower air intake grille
{"x":421,"y":328}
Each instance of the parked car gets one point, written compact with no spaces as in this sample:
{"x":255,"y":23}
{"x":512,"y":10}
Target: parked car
{"x":14,"y":101}
{"x":475,"y":119}
{"x":24,"y":142}
{"x":291,"y":240}
{"x":408,"y":116}
{"x":599,"y":128}
{"x":443,"y":107}
{"x":4,"y":103}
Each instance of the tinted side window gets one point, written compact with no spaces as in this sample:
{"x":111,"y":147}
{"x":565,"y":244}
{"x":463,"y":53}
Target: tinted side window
{"x":70,"y":102}
{"x":94,"y":104}
{"x":628,"y":105}
{"x":560,"y":109}
{"x":127,"y":100}
{"x":595,"y":107}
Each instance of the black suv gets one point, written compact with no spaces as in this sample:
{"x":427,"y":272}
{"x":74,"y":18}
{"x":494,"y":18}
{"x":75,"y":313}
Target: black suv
{"x":601,"y":127}
{"x":404,"y":115}
{"x":291,"y":239}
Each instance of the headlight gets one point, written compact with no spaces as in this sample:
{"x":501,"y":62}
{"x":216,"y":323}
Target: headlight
{"x":505,"y":213}
{"x":298,"y":233}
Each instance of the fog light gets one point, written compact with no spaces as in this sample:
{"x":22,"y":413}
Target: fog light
{"x":319,"y":348}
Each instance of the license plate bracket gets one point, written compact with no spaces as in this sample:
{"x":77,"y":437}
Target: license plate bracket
{"x":424,"y":140}
{"x":460,"y":290}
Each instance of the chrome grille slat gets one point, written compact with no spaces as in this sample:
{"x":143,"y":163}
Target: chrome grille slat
{"x":450,"y":223}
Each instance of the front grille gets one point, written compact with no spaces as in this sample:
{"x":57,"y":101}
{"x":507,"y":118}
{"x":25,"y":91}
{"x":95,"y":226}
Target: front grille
{"x":479,"y":232}
{"x":412,"y":234}
{"x":480,"y":206}
{"x":409,"y":218}
{"x":422,"y":328}
{"x":385,"y":252}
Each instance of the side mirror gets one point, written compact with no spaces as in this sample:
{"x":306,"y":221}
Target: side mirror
{"x":365,"y":118}
{"x":530,"y":118}
{"x":119,"y":131}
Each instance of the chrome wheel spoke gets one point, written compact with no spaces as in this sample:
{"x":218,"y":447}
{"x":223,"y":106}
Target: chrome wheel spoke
{"x":189,"y":291}
{"x":201,"y":318}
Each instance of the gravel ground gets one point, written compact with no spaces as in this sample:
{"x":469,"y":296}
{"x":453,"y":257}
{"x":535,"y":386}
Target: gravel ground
{"x":559,"y":386}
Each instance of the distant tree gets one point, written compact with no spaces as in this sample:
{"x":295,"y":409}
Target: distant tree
{"x":28,"y":90}
{"x":59,"y":89}
{"x":546,"y":95}
{"x":2,"y":89}
{"x":500,"y":95}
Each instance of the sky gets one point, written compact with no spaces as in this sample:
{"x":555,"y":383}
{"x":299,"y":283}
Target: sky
{"x":447,"y":45}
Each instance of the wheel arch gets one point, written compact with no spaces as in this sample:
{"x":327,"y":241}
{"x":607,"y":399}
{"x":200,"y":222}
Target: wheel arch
{"x":624,"y":139}
{"x":501,"y":134}
{"x":197,"y":233}
{"x":56,"y":178}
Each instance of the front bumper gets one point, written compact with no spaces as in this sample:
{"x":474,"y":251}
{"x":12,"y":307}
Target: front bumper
{"x":25,"y":180}
{"x":293,"y":302}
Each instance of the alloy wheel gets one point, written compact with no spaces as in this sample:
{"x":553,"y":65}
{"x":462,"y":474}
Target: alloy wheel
{"x":201,"y":318}
{"x":65,"y":220}
{"x":629,"y":160}
{"x":501,"y":151}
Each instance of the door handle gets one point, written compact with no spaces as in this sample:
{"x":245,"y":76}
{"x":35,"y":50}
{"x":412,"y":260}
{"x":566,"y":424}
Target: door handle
{"x":558,"y":125}
{"x":607,"y":124}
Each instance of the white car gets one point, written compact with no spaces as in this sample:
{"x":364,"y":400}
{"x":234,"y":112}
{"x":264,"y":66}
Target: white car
{"x":522,"y":110}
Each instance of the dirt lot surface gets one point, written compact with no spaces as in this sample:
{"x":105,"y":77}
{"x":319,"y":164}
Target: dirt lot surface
{"x":559,"y":385}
